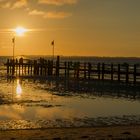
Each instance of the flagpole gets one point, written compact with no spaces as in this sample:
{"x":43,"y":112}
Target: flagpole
{"x":13,"y":40}
{"x":52,"y":50}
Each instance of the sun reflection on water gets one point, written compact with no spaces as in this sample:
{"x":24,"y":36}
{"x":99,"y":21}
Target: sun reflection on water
{"x":18,"y":89}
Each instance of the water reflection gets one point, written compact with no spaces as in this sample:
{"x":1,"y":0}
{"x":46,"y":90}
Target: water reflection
{"x":65,"y":87}
{"x":18,"y":89}
{"x":90,"y":88}
{"x":51,"y":99}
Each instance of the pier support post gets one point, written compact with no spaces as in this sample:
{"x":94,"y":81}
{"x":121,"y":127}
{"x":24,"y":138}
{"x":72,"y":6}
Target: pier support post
{"x":127,"y":73}
{"x":77,"y":70}
{"x":35,"y":67}
{"x":57,"y":66}
{"x":68,"y":70}
{"x":112,"y":71}
{"x":119,"y":72}
{"x":85,"y":71}
{"x":98,"y":71}
{"x":135,"y":73}
{"x":7,"y":64}
{"x":65,"y":69}
{"x":13,"y":67}
{"x":103,"y":70}
{"x":89,"y":71}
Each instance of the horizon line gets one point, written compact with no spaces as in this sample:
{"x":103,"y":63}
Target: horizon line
{"x":74,"y":56}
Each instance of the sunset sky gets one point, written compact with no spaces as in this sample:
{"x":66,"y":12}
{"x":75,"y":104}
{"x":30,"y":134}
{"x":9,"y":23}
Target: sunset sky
{"x":79,"y":27}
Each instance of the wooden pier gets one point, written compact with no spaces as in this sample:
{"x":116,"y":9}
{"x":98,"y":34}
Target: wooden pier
{"x":77,"y":70}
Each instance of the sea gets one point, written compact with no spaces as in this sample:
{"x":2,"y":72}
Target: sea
{"x":29,"y":103}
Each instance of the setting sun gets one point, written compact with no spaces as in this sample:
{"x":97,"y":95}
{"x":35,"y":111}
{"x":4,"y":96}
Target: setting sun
{"x":20,"y":31}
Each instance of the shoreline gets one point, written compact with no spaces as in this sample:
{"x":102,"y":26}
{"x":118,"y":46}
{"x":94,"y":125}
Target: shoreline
{"x":109,"y":132}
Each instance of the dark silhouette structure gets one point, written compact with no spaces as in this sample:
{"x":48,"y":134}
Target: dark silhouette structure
{"x":122,"y":73}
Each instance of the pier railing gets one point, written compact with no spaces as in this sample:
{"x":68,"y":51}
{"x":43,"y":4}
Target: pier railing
{"x":78,"y":70}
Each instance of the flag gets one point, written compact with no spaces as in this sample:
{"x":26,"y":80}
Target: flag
{"x":13,"y":40}
{"x":52,"y":43}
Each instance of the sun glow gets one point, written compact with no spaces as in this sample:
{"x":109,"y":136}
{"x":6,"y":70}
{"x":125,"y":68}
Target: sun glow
{"x":20,"y":31}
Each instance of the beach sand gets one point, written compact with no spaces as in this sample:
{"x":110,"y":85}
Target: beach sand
{"x":96,"y":133}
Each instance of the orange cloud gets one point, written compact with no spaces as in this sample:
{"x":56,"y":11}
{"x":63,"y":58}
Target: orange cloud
{"x":13,"y":4}
{"x":37,"y":13}
{"x":19,"y":4}
{"x":55,"y":15}
{"x":6,"y":5}
{"x":57,"y":2}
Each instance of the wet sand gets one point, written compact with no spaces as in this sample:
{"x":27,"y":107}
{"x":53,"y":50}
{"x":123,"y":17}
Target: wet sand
{"x":93,"y":133}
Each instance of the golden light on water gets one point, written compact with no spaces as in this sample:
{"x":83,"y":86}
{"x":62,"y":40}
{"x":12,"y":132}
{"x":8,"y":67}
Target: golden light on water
{"x":18,"y":89}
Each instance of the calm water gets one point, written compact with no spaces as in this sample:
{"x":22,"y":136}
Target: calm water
{"x":32,"y":99}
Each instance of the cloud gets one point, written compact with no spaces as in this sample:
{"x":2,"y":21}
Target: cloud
{"x":2,"y":1}
{"x":37,"y":13}
{"x":13,"y":5}
{"x":58,"y":2}
{"x":5,"y":5}
{"x":19,"y":4}
{"x":53,"y":15}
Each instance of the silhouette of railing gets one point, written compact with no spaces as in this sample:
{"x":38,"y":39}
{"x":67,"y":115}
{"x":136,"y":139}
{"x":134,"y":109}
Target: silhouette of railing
{"x":77,"y":70}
